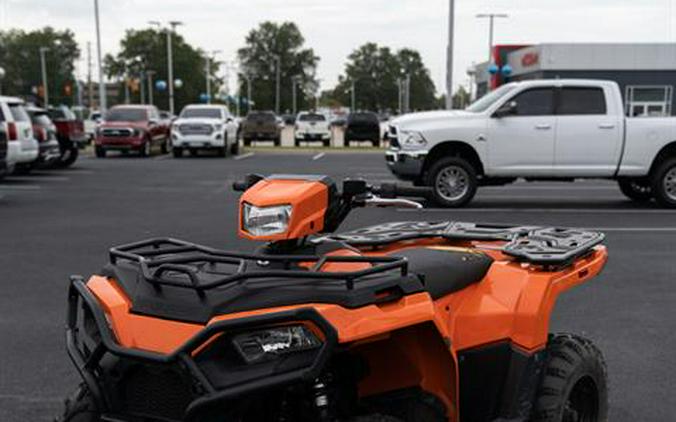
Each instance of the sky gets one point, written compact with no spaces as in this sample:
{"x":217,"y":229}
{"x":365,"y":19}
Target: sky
{"x":333,"y":28}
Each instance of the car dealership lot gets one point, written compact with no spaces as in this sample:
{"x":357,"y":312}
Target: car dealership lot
{"x":57,"y":223}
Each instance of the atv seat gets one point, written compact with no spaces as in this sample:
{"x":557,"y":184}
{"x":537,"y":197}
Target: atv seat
{"x":446,"y":270}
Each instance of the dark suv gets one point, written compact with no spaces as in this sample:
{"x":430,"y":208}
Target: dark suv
{"x":261,"y":126}
{"x":363,"y":126}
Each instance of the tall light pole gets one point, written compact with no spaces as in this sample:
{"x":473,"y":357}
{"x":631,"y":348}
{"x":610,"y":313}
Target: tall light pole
{"x":208,"y":73}
{"x":170,"y":59}
{"x":353,"y":97}
{"x":278,"y":73}
{"x":294,"y":87}
{"x":102,"y":88}
{"x":2,"y":75}
{"x":149,"y":75}
{"x":491,"y":21}
{"x":43,"y":68}
{"x":449,"y":55}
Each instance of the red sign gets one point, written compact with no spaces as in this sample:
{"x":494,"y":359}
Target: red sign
{"x":530,"y":59}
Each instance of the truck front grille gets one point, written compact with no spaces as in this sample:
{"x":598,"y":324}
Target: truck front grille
{"x":117,"y":132}
{"x":195,"y":129}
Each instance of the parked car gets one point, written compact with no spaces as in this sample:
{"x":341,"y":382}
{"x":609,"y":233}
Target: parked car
{"x":261,"y":126}
{"x":44,"y":131}
{"x":135,"y":128}
{"x":312,"y":127}
{"x":22,"y":148}
{"x":362,"y":126}
{"x":549,"y":129}
{"x":91,"y":123}
{"x":204,"y":127}
{"x":3,"y":152}
{"x":70,"y":133}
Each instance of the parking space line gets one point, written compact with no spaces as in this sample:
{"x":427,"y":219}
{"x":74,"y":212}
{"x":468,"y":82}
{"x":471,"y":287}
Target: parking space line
{"x":244,"y":156}
{"x":29,"y":187}
{"x":318,"y":156}
{"x":636,"y":229}
{"x":542,"y":210}
{"x":41,"y":177}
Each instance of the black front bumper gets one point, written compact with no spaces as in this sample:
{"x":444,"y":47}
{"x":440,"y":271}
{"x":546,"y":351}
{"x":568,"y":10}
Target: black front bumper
{"x":206,"y":384}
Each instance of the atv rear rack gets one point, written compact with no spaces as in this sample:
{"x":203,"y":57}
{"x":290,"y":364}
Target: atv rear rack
{"x":547,"y":246}
{"x":177,"y":263}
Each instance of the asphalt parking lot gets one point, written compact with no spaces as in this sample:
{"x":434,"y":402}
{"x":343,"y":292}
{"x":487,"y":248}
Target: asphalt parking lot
{"x":57,"y":223}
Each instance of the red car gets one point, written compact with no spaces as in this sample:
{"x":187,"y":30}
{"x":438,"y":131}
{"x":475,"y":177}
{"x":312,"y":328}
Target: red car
{"x":137,"y":128}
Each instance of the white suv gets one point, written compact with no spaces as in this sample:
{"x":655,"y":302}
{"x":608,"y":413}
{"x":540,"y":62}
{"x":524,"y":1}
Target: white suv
{"x":204,"y":127}
{"x":22,"y":148}
{"x":312,"y":127}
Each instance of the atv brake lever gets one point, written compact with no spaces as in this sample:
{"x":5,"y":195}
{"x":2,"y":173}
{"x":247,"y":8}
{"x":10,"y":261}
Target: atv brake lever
{"x":376,"y":201}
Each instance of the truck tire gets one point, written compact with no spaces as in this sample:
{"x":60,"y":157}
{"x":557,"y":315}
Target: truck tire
{"x":68,"y":157}
{"x":146,"y":149}
{"x":100,"y":152}
{"x":664,"y":183}
{"x":278,"y":141}
{"x":79,"y":407}
{"x":636,"y":189}
{"x":574,"y":382}
{"x":453,"y":181}
{"x":165,"y":147}
{"x":234,"y":148}
{"x":178,"y":152}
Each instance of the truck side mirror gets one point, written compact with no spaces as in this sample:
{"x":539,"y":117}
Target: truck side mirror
{"x":509,"y":108}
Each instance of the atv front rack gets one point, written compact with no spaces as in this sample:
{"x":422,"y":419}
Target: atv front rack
{"x":547,"y":246}
{"x":177,"y":263}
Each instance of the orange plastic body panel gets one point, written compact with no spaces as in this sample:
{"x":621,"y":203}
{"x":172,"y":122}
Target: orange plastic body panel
{"x":308,"y":199}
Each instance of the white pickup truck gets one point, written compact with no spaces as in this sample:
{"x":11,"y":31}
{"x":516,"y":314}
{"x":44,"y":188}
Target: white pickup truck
{"x":538,"y":130}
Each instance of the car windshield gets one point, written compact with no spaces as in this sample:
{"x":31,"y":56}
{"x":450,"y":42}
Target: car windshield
{"x":127,"y":115}
{"x":19,"y":112}
{"x":312,"y":117}
{"x":483,"y":103}
{"x":266,"y":117}
{"x":363,"y":118}
{"x":61,"y":113}
{"x":204,"y":113}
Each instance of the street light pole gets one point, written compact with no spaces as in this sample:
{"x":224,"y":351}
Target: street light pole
{"x":278,"y":65}
{"x":294,"y":83}
{"x":102,"y":88}
{"x":449,"y":55}
{"x":491,"y":21}
{"x":43,"y":68}
{"x":149,"y":75}
{"x":353,"y":97}
{"x":208,"y":73}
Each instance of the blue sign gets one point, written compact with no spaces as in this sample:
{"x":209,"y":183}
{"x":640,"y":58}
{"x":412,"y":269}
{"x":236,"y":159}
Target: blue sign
{"x":204,"y":98}
{"x":493,"y":69}
{"x":506,"y":70}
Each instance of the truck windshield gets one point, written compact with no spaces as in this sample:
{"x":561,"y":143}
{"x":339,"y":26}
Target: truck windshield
{"x":201,"y":113}
{"x":312,"y":117}
{"x":127,"y":115}
{"x":261,"y":117}
{"x":488,"y":100}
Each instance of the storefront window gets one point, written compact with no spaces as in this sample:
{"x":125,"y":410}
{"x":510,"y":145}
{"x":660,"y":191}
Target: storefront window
{"x":649,"y":101}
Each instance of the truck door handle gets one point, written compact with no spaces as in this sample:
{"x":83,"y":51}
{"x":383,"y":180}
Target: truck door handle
{"x":543,"y":127}
{"x":606,"y":126}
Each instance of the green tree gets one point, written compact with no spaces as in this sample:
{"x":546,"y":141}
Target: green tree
{"x":258,"y":60}
{"x":20,"y":57}
{"x":377,"y":72}
{"x":146,"y":50}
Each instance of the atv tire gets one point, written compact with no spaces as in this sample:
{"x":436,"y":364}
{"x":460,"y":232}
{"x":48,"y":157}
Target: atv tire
{"x":454,"y":182}
{"x":574,"y":382}
{"x":636,"y":189}
{"x":664,"y":183}
{"x":79,"y":407}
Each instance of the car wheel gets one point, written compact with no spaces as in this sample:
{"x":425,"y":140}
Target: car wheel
{"x":453,"y":181}
{"x":146,"y":149}
{"x":178,"y":152}
{"x":574,"y":382}
{"x":638,"y":190}
{"x":68,"y":157}
{"x":165,"y":147}
{"x":664,"y":183}
{"x":278,"y":141}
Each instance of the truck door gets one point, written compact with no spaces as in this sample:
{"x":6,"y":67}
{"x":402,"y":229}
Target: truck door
{"x":522,"y":142}
{"x":588,"y":137}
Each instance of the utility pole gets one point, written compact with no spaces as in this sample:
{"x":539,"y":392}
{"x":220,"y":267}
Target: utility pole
{"x":102,"y":87}
{"x":208,"y":73}
{"x":43,"y":67}
{"x":407,"y":93}
{"x":491,"y":21}
{"x":90,"y":90}
{"x":278,"y":73}
{"x":294,"y":84}
{"x":170,"y":59}
{"x":149,"y":75}
{"x":449,"y":55}
{"x":248,"y":93}
{"x":353,"y":97}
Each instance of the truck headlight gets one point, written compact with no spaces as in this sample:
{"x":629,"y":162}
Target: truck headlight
{"x":218,"y":127}
{"x":136,"y":133}
{"x":264,"y":221}
{"x":412,"y":139}
{"x":263,"y":345}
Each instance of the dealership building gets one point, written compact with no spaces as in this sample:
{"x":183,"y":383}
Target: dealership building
{"x":646,"y":73}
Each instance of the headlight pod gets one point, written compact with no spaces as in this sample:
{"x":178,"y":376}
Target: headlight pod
{"x":267,"y":344}
{"x":412,"y":139}
{"x":265,"y":221}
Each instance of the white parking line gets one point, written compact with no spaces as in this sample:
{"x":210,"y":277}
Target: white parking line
{"x":28,"y":187}
{"x":244,"y":156}
{"x":318,"y":156}
{"x":542,"y":210}
{"x":41,"y":177}
{"x":636,"y":229}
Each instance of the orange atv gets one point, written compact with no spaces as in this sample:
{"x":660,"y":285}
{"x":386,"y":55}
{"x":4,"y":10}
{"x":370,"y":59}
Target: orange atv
{"x":412,"y":321}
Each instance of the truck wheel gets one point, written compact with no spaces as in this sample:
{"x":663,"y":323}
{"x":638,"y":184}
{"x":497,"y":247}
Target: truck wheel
{"x":100,"y":152}
{"x":376,"y":144}
{"x":165,"y":147}
{"x":664,"y":183}
{"x":79,"y":407}
{"x":636,"y":189}
{"x":178,"y":152}
{"x":278,"y":141}
{"x":234,"y":148}
{"x":68,"y":157}
{"x":574,"y":382}
{"x":146,"y":149}
{"x":453,"y":181}
{"x":327,"y":143}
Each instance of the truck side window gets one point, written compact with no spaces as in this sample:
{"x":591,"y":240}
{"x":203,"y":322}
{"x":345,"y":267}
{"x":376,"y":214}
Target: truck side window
{"x":535,"y":102}
{"x":582,"y":101}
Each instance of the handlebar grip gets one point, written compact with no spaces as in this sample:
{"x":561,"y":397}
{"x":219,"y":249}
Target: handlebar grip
{"x":392,"y":190}
{"x":239,"y":186}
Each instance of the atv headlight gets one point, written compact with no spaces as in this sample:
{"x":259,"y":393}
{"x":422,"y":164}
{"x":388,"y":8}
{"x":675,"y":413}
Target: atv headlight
{"x":412,"y":139}
{"x":259,"y":346}
{"x":264,"y":221}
